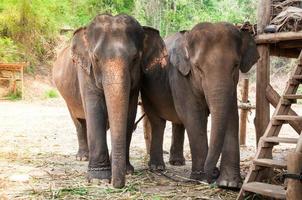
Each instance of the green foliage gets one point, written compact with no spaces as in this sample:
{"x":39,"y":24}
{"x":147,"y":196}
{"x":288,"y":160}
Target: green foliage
{"x":9,"y":51}
{"x":52,"y":93}
{"x":170,"y":16}
{"x":29,"y":28}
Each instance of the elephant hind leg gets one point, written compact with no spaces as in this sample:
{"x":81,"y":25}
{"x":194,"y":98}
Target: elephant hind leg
{"x":83,"y":152}
{"x":176,"y":151}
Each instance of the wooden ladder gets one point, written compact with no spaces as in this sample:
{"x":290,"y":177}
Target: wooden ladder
{"x":263,"y":161}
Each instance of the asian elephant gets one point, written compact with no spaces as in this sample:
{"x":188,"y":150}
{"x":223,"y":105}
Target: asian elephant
{"x":99,"y":76}
{"x":200,"y":79}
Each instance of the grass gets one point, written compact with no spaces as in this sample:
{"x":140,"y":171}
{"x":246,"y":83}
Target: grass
{"x":12,"y":96}
{"x":78,"y":191}
{"x":52,"y":93}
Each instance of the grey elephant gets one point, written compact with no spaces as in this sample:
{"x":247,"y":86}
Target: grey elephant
{"x":200,"y":79}
{"x":99,"y":76}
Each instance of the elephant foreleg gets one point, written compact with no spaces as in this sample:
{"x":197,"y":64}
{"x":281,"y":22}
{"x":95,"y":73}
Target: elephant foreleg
{"x":176,"y":151}
{"x":197,"y":134}
{"x":230,"y":159}
{"x":96,"y":117}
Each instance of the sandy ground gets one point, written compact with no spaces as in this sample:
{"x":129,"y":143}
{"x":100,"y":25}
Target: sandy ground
{"x":37,"y":160}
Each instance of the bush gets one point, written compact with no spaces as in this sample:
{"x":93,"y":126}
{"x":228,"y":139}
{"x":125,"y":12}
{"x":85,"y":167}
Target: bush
{"x":9,"y":51}
{"x":31,"y":31}
{"x":52,"y":93}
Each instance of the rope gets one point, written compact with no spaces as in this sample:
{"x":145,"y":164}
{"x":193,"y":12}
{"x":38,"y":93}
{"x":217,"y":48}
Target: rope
{"x":293,"y":176}
{"x":136,"y":123}
{"x":182,"y":180}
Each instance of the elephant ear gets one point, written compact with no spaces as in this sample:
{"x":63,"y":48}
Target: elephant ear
{"x":179,"y":56}
{"x":154,"y":50}
{"x":80,"y":50}
{"x":250,"y":53}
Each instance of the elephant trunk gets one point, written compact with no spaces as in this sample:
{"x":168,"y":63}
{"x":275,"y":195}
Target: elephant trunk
{"x":116,"y":84}
{"x":220,"y":100}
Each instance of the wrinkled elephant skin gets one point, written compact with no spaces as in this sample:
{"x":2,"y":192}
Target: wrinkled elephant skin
{"x":200,"y":79}
{"x":99,"y":76}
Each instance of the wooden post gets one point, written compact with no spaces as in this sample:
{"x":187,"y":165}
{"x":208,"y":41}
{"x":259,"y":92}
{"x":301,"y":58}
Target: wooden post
{"x":244,"y":112}
{"x":263,"y":71}
{"x":294,"y":166}
{"x":22,"y":82}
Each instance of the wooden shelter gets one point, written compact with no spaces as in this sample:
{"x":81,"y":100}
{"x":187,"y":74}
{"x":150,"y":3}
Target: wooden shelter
{"x":283,"y":44}
{"x":14,"y":74}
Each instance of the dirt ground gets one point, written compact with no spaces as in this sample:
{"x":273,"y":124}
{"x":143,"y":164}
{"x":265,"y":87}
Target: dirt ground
{"x":37,"y":159}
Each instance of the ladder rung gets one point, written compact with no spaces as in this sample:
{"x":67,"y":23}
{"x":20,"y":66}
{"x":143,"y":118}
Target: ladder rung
{"x":265,"y":189}
{"x":292,"y":96}
{"x":288,"y":102}
{"x":264,"y":162}
{"x":288,"y":118}
{"x":280,"y":140}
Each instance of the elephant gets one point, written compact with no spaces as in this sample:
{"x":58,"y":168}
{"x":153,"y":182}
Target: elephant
{"x":200,"y":79}
{"x":99,"y":77}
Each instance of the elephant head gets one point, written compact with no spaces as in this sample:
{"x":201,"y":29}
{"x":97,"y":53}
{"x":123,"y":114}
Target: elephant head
{"x":113,"y":51}
{"x":212,"y":55}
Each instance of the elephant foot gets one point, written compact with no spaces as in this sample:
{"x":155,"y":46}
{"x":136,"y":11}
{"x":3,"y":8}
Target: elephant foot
{"x":177,"y":160}
{"x":157,"y":166}
{"x":99,"y":181}
{"x":213,"y":175}
{"x":82,"y":155}
{"x":129,"y":169}
{"x":229,"y":182}
{"x":101,"y":173}
{"x":198,"y":175}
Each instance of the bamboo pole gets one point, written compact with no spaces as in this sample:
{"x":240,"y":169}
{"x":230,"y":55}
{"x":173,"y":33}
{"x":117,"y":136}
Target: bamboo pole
{"x":244,"y":112}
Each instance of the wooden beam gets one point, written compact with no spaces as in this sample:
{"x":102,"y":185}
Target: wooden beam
{"x":274,"y":98}
{"x":290,"y":44}
{"x":287,"y":53}
{"x":270,"y":38}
